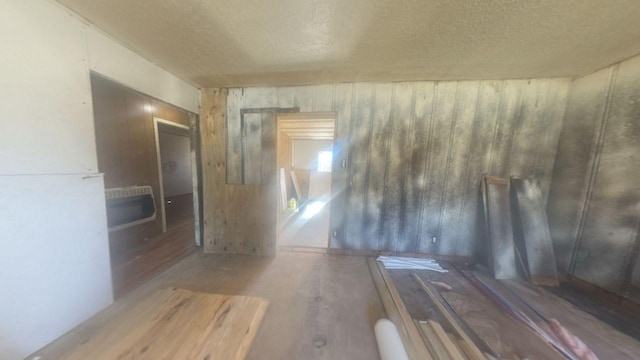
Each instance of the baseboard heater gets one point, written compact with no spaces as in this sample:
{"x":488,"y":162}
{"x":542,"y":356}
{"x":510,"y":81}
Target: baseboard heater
{"x":129,"y":206}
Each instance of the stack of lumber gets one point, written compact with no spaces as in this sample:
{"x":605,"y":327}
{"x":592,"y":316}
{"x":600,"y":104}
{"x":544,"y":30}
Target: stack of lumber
{"x":423,"y":339}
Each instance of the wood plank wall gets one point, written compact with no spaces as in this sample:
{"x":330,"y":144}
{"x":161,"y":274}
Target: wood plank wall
{"x":238,"y":219}
{"x":125,"y":144}
{"x":594,"y":207}
{"x":415,"y":152}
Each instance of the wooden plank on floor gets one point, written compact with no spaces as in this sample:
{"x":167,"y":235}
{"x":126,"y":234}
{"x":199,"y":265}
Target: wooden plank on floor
{"x":176,"y":323}
{"x":296,"y":185}
{"x":499,"y":228}
{"x":431,"y":340}
{"x":397,"y":312}
{"x":475,"y":352}
{"x":533,"y":229}
{"x":450,"y":347}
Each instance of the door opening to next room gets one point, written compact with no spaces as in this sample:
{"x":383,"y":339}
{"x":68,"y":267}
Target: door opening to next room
{"x":305,"y":154}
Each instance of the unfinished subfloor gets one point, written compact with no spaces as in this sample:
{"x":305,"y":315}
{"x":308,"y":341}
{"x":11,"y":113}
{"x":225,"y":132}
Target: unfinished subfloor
{"x":322,"y":306}
{"x":307,"y":228}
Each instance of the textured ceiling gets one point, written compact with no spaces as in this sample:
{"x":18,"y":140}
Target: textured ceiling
{"x":284,"y":42}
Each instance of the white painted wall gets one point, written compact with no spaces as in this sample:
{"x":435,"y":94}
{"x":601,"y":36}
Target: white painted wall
{"x":54,"y":256}
{"x":175,"y":156}
{"x":305,"y":152}
{"x":122,"y":65}
{"x":305,"y":156}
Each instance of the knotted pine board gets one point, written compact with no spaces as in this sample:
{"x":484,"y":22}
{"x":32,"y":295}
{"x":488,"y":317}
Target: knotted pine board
{"x":178,"y":324}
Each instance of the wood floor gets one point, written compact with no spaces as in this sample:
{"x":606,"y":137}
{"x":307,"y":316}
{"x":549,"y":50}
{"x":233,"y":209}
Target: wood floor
{"x":137,"y":262}
{"x":321,"y":306}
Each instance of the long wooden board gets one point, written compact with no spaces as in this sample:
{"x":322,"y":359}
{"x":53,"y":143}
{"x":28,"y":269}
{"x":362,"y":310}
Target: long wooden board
{"x":475,"y":352}
{"x":397,"y":312}
{"x":178,"y":324}
{"x":533,"y":230}
{"x":497,"y":211}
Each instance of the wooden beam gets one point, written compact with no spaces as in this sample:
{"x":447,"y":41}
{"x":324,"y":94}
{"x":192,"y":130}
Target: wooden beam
{"x":431,"y":340}
{"x":450,"y":347}
{"x":397,"y":312}
{"x":477,"y":354}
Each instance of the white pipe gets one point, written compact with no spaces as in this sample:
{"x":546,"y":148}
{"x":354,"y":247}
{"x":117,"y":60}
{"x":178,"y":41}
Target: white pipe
{"x":389,"y":342}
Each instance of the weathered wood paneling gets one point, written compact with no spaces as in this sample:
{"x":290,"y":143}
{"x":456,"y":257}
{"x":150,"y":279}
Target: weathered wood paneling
{"x":596,"y":177}
{"x":342,"y":105}
{"x":358,"y":162}
{"x":415,"y":153}
{"x":398,"y":151}
{"x":237,"y":218}
{"x":576,"y":154}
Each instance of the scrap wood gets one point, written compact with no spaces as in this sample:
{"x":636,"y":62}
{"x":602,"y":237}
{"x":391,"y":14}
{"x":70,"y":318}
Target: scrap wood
{"x":498,"y":227}
{"x":533,"y":231}
{"x":397,"y":312}
{"x":296,"y":185}
{"x":573,"y":342}
{"x":431,"y":340}
{"x":519,"y":316}
{"x":445,"y":340}
{"x":477,"y":354}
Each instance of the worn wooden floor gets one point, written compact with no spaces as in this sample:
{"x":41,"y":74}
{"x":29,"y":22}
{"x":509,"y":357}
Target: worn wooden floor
{"x":306,"y":229}
{"x":321,"y":306}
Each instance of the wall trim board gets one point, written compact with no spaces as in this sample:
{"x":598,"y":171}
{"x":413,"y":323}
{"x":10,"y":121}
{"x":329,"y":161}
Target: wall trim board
{"x":156,"y":132}
{"x":592,"y":168}
{"x":196,"y":176}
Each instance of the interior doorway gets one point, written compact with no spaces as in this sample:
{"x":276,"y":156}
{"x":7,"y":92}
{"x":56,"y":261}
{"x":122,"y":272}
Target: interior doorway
{"x":304,"y":158}
{"x":176,"y":174}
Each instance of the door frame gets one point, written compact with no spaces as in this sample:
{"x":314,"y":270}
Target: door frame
{"x":194,"y":179}
{"x":302,"y":117}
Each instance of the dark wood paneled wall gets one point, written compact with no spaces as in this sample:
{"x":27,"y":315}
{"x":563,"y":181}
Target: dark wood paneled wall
{"x":594,"y":208}
{"x":125,"y":144}
{"x":415,"y":153}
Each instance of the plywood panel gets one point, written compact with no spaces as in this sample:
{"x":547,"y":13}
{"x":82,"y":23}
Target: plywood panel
{"x":238,"y":218}
{"x":534,"y":229}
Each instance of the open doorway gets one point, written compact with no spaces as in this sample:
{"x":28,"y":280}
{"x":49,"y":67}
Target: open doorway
{"x":305,"y":154}
{"x":176,"y":175}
